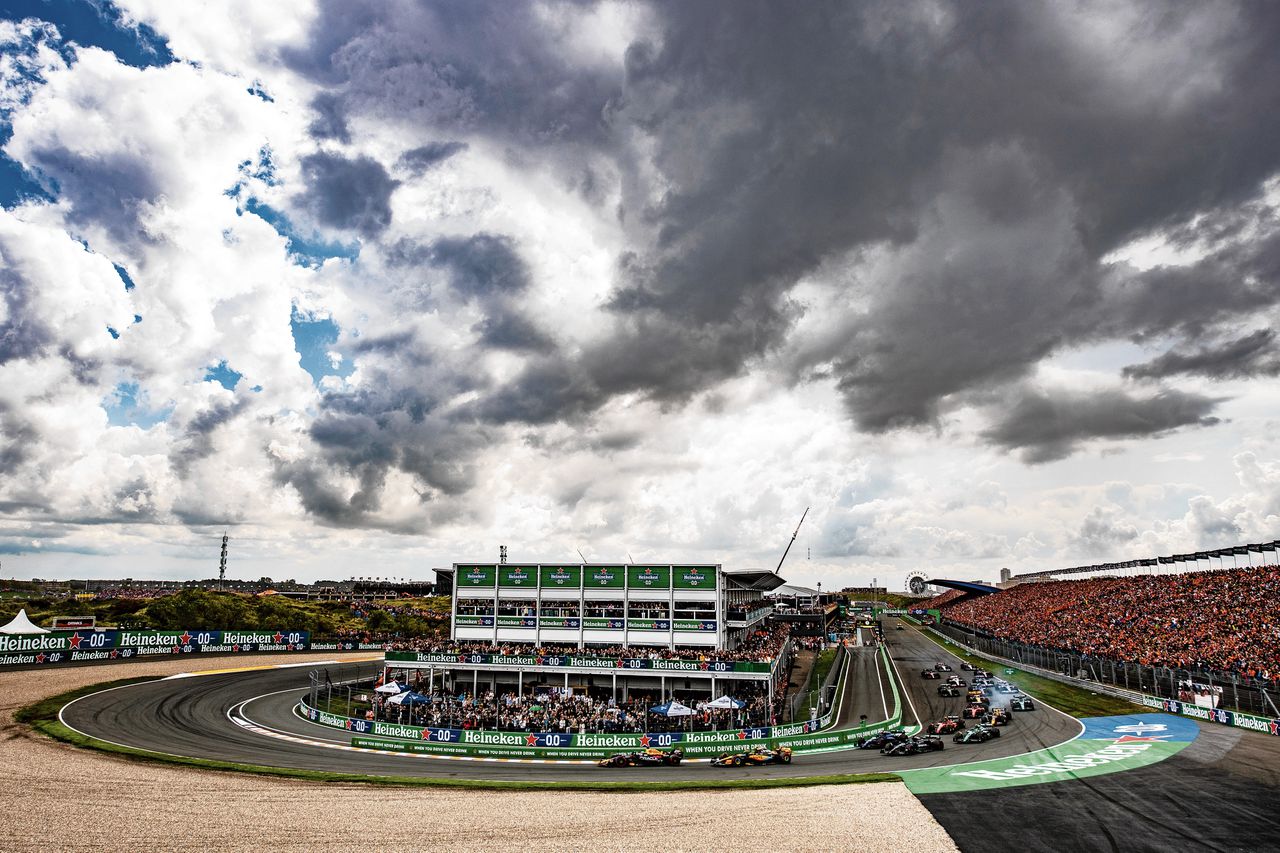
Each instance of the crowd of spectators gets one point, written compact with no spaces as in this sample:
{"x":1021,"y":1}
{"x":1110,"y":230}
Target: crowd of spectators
{"x":1226,"y":621}
{"x":557,"y":710}
{"x":761,"y":646}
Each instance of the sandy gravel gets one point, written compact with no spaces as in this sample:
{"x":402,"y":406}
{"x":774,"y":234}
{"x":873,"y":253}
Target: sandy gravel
{"x":57,"y":797}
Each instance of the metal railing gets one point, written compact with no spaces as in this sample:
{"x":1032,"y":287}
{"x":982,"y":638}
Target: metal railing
{"x":1229,"y":690}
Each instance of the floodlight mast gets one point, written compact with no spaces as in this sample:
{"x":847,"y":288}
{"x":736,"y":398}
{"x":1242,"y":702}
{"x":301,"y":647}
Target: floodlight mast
{"x":792,"y":542}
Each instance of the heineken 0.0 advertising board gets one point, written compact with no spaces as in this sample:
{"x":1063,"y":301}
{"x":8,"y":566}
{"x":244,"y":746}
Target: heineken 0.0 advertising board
{"x":476,"y":576}
{"x":561,"y":577}
{"x":694,"y":577}
{"x":519,"y":576}
{"x":649,"y":577}
{"x":605,"y":577}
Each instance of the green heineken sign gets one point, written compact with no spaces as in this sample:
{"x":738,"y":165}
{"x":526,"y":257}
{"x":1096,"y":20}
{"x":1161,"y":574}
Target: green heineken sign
{"x":649,"y":577}
{"x":605,"y":577}
{"x":566,"y":577}
{"x":694,"y":577}
{"x":526,"y":576}
{"x":476,"y":575}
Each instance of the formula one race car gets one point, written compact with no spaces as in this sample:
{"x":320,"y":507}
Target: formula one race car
{"x":973,"y":711}
{"x":946,"y":725}
{"x":929,"y":673}
{"x":967,"y":666}
{"x":997,"y":717}
{"x":978,"y":734}
{"x":888,"y":737}
{"x":1021,"y":703}
{"x":950,"y":690}
{"x":646,"y":758}
{"x":915,"y":746}
{"x":942,"y":667}
{"x":756,"y":757}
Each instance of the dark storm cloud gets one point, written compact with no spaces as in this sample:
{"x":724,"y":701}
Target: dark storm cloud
{"x":330,"y":123}
{"x":457,"y":65}
{"x":197,"y":440}
{"x":1050,"y":425}
{"x":482,"y":265}
{"x":110,"y":191}
{"x":347,"y":193}
{"x":509,"y":330}
{"x":1252,"y":355}
{"x":988,"y":156}
{"x":419,"y":160}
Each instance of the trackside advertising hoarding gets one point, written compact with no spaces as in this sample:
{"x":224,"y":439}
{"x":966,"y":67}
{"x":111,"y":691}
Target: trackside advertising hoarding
{"x":115,"y":644}
{"x":1235,"y":719}
{"x":693,"y":577}
{"x":577,"y":662}
{"x":806,"y":736}
{"x":649,"y":577}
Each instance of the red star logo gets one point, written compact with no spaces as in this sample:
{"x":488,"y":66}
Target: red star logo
{"x":1132,"y":739}
{"x":74,"y":641}
{"x":115,"y":653}
{"x":278,"y":636}
{"x":742,"y":735}
{"x":706,"y":665}
{"x":348,"y":725}
{"x":176,"y":650}
{"x":426,"y":734}
{"x":540,"y":660}
{"x":291,"y":647}
{"x":644,"y":740}
{"x":235,"y":648}
{"x":619,"y":663}
{"x":1275,"y":727}
{"x":462,"y":658}
{"x":40,"y":658}
{"x":185,"y":638}
{"x":531,"y":740}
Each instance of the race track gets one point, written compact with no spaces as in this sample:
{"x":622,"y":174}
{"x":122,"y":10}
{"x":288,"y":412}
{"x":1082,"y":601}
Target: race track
{"x":195,"y":717}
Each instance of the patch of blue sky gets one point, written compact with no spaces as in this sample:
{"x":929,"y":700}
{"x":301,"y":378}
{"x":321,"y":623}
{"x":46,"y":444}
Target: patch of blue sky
{"x":96,"y":23}
{"x":306,"y":250}
{"x":314,"y":339}
{"x":17,"y":185}
{"x":223,"y":374}
{"x":128,"y":405}
{"x":124,"y":276}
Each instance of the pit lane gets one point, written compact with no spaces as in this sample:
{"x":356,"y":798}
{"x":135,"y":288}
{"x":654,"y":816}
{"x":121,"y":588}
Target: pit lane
{"x":248,"y":717}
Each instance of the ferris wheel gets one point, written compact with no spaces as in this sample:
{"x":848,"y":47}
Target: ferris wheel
{"x":917,"y":583}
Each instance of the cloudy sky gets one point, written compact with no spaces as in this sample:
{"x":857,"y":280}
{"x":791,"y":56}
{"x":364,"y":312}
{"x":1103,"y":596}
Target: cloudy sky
{"x":382,"y":285}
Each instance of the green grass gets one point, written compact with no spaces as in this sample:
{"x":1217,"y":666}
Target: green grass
{"x":1076,"y":701}
{"x":42,"y":716}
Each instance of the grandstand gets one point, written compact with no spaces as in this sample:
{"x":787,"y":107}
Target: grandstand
{"x":1149,"y":630}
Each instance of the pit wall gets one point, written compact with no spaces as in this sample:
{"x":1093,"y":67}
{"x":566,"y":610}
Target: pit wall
{"x":801,"y":737}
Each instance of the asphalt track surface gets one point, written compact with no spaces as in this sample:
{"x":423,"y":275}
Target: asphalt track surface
{"x":194,"y":717}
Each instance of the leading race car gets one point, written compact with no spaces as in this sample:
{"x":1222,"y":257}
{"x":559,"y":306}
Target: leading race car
{"x":645,"y":758}
{"x":756,"y":757}
{"x":915,"y":746}
{"x":942,"y":667}
{"x":997,"y":717}
{"x":1021,"y":703}
{"x":946,"y":725}
{"x":977,"y":734}
{"x":930,"y":673}
{"x":881,"y":739}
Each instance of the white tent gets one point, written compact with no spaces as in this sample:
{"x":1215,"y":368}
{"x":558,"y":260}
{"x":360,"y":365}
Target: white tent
{"x":391,"y":687}
{"x":20,"y":624}
{"x":725,"y":703}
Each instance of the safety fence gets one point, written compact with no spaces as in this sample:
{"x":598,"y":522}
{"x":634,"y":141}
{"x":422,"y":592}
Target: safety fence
{"x":90,"y":644}
{"x":1067,"y":670}
{"x":809,"y":736}
{"x":1207,"y":688}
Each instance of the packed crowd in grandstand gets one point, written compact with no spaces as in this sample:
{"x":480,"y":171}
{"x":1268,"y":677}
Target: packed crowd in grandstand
{"x":1220,"y":620}
{"x":761,"y":646}
{"x":553,"y":710}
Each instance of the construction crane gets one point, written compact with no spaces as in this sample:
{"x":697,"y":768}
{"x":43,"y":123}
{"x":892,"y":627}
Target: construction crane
{"x":792,"y":542}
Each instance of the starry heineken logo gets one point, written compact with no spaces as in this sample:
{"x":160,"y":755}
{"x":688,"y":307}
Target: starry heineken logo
{"x":531,"y":740}
{"x":74,"y":641}
{"x":645,"y":740}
